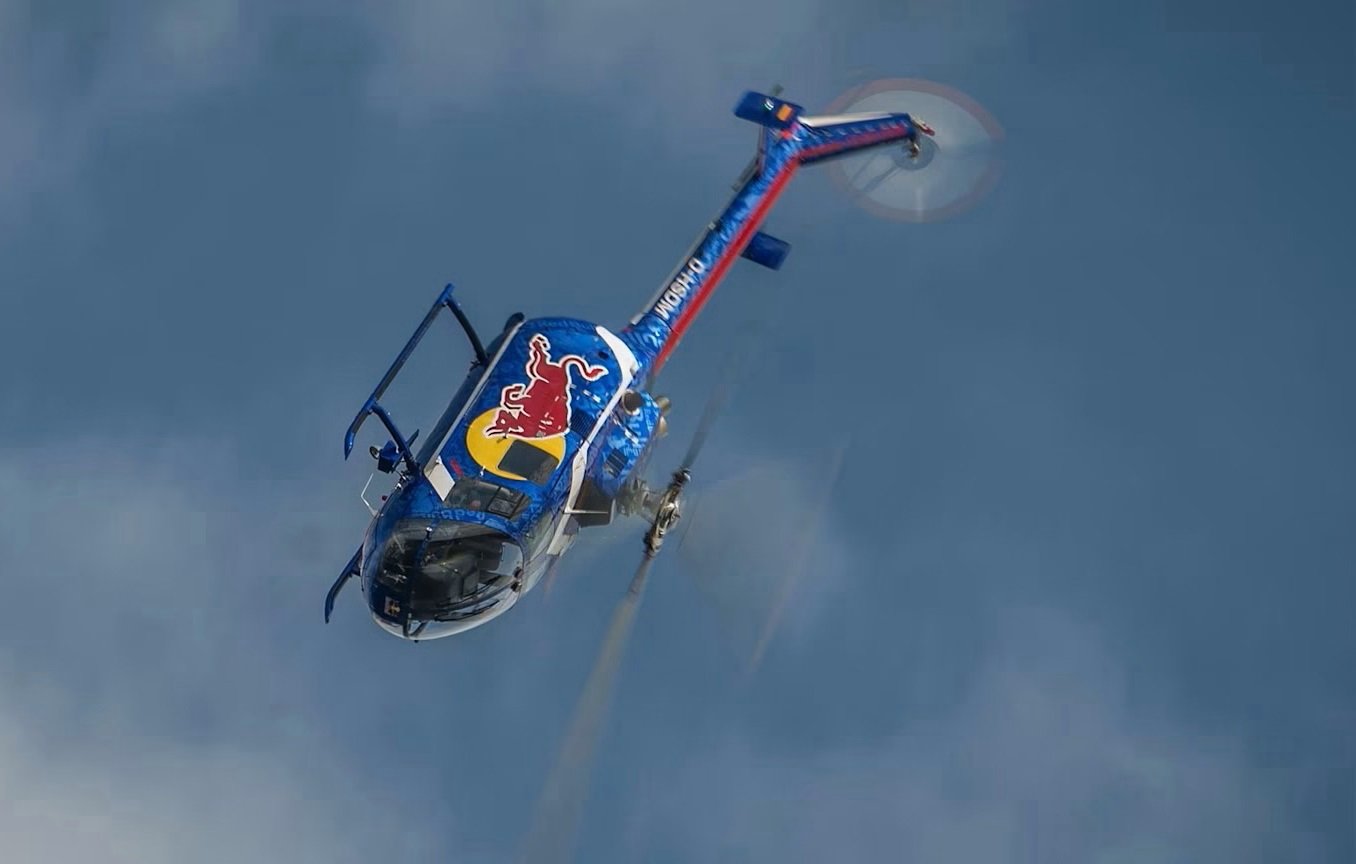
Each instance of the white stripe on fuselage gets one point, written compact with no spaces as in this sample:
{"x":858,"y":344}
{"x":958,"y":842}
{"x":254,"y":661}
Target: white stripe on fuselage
{"x":439,"y":477}
{"x":626,"y":362}
{"x":436,"y":471}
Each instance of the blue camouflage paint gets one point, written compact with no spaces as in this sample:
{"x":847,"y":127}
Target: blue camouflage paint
{"x":589,"y":401}
{"x":625,"y":449}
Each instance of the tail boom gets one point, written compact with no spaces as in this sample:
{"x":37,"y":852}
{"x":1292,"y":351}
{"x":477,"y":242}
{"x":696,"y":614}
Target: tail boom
{"x":788,"y":142}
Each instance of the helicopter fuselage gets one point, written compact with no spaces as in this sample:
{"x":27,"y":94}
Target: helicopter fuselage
{"x":539,"y":442}
{"x":550,"y":431}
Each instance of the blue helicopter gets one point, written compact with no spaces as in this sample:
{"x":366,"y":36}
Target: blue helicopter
{"x":552,"y":428}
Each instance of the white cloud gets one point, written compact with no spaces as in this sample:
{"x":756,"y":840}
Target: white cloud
{"x":1047,"y":759}
{"x":674,"y":59}
{"x":131,"y":543}
{"x":670,"y":67}
{"x":60,"y":93}
{"x":766,"y":548}
{"x":150,"y":708}
{"x":127,"y":800}
{"x":661,"y":67}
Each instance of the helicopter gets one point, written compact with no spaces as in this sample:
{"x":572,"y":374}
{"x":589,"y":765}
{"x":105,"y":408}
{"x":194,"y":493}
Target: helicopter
{"x":551,"y":431}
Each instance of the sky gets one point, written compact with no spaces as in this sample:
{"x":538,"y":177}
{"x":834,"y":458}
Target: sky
{"x":1084,"y":587}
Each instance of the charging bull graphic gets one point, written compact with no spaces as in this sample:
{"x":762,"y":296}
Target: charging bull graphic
{"x":541,"y":407}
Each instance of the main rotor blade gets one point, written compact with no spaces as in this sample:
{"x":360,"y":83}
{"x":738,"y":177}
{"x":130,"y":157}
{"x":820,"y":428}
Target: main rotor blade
{"x":708,"y":419}
{"x":556,"y":822}
{"x":751,"y":542}
{"x":799,"y":563}
{"x":715,"y":404}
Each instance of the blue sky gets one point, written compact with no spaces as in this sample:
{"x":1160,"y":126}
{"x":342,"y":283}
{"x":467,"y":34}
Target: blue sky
{"x":1084,"y":588}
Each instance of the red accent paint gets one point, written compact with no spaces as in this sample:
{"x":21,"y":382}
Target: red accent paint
{"x":864,"y":140}
{"x":732,"y":251}
{"x":722,"y":264}
{"x":540,"y":408}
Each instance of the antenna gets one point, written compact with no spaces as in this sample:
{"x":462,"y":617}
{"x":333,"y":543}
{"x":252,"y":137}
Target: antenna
{"x":363,"y":494}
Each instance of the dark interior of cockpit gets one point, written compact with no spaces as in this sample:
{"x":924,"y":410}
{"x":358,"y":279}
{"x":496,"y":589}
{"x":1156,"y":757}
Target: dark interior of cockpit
{"x":448,"y":570}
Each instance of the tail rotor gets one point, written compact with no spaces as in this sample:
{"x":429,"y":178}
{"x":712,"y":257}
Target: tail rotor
{"x":949,"y":170}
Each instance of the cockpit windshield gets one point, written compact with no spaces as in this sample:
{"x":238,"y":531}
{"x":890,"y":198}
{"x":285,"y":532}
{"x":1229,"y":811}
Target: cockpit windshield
{"x":432,"y":576}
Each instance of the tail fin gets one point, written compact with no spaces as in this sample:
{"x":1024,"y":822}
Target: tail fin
{"x":753,"y":107}
{"x":767,"y":111}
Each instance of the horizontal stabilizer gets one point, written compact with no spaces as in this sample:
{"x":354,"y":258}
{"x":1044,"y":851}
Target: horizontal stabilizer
{"x":767,"y":110}
{"x":766,"y":250}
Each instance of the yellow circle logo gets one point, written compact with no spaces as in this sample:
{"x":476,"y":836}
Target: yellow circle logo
{"x":489,"y":448}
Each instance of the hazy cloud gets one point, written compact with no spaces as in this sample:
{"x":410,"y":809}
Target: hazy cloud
{"x":1048,"y":758}
{"x":668,"y":62}
{"x":149,"y":712}
{"x":67,"y":80}
{"x":765,"y":548}
{"x":433,"y":57}
{"x":123,"y":799}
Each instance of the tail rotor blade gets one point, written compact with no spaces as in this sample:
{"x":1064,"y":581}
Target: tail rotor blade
{"x":556,"y":822}
{"x":715,"y":404}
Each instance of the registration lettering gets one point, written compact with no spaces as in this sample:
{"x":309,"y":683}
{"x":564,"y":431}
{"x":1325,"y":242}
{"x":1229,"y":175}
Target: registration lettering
{"x":678,"y":289}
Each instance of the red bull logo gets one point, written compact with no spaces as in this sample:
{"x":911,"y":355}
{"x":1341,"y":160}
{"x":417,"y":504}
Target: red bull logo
{"x":540,"y":408}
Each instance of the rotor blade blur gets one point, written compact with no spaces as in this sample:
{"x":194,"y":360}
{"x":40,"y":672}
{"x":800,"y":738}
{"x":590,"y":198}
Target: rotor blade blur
{"x":708,"y":419}
{"x":556,"y":822}
{"x":715,"y":404}
{"x":788,"y":584}
{"x":752,"y":546}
